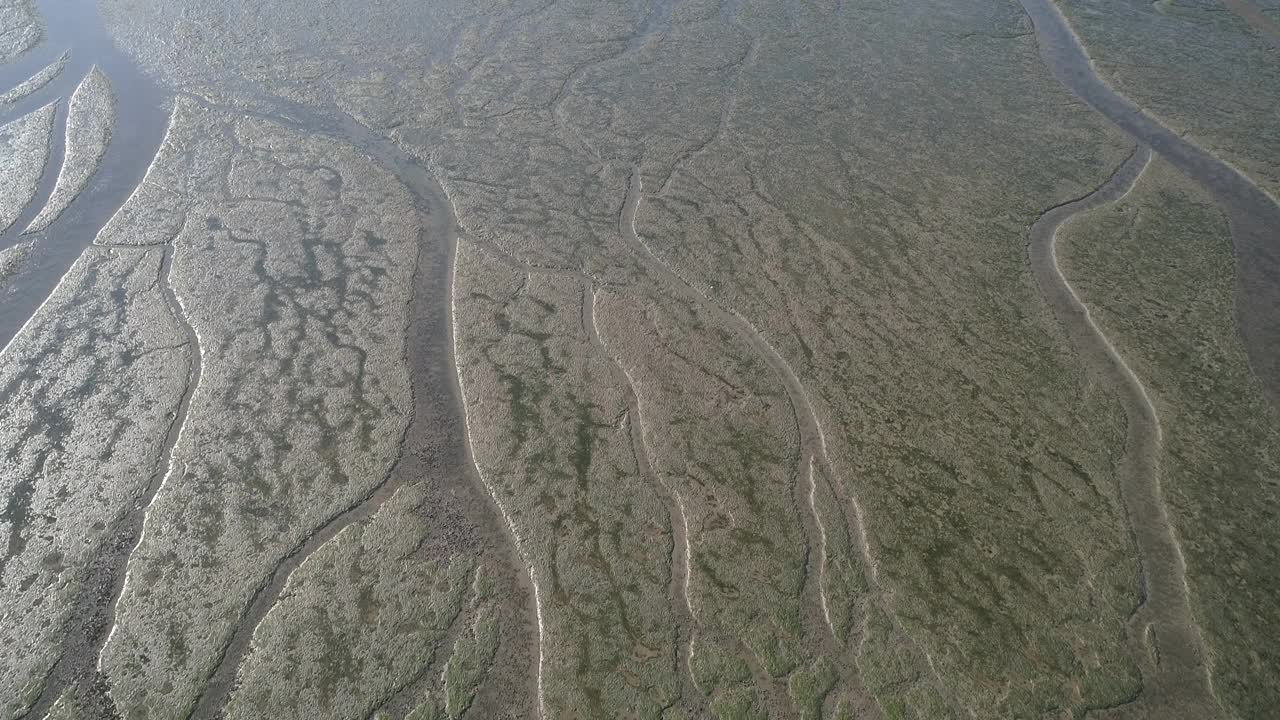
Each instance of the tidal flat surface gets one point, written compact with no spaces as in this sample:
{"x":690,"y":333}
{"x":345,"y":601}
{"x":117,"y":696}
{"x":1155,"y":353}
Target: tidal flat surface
{"x":651,"y":359}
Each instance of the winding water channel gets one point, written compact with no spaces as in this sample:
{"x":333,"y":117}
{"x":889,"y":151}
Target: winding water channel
{"x":1254,"y":216}
{"x":1166,"y":639}
{"x":436,"y":445}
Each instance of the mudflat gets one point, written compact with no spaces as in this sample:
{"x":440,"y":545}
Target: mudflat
{"x":647,"y":359}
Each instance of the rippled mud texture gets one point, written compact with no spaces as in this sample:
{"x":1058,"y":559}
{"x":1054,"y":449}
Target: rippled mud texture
{"x":945,"y":391}
{"x":550,"y":435}
{"x":24,"y":150}
{"x":360,"y":618}
{"x":90,"y":117}
{"x":723,"y":438}
{"x":293,"y":268}
{"x":20,"y":28}
{"x":753,"y":371}
{"x":989,"y":417}
{"x":1156,"y":271}
{"x":90,"y":388}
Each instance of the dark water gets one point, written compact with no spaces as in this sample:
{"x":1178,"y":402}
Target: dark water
{"x":1254,"y":216}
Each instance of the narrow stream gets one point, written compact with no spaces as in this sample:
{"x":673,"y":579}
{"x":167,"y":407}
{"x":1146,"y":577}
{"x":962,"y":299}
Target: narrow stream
{"x":436,"y":444}
{"x":1168,"y":646}
{"x":1254,"y":215}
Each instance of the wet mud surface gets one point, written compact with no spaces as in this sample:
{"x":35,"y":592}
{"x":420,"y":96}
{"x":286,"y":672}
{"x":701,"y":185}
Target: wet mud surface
{"x":663,"y":359}
{"x":1179,"y":678}
{"x":75,"y":29}
{"x":1254,"y":213}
